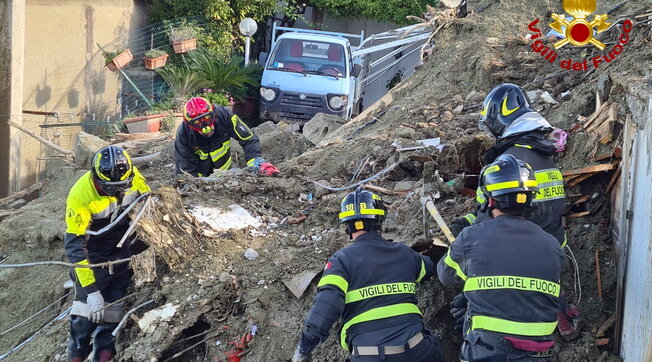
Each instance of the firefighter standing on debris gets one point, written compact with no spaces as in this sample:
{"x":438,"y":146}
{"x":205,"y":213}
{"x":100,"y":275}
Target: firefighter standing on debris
{"x":510,"y":269}
{"x":203,"y":142}
{"x":521,"y":132}
{"x":94,"y":202}
{"x":371,"y":285}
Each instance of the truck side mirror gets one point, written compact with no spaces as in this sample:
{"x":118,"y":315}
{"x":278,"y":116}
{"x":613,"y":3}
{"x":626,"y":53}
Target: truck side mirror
{"x":355,"y":72}
{"x":262,"y":58}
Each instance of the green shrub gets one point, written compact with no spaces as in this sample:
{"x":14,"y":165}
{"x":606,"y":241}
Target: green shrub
{"x":168,"y":122}
{"x":154,"y":53}
{"x":182,"y":33}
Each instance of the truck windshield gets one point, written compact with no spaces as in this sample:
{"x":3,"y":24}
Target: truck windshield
{"x":309,"y":57}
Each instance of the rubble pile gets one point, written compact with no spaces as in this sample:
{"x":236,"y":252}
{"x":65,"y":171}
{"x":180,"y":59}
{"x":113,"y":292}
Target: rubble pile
{"x":242,"y":292}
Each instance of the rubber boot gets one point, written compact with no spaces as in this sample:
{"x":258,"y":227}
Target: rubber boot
{"x":570,"y":323}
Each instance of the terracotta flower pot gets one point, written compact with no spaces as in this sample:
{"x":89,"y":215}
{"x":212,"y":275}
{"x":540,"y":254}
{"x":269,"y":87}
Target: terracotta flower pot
{"x":120,"y":60}
{"x":151,"y":123}
{"x":153,"y":63}
{"x":185,"y":45}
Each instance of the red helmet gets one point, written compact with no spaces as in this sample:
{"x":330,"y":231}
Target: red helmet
{"x":197,"y":114}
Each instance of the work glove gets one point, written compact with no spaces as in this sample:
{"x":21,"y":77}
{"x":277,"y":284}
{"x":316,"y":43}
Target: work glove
{"x":458,"y":311}
{"x":299,"y":356}
{"x":95,"y":303}
{"x":459,"y":224}
{"x":265,"y":168}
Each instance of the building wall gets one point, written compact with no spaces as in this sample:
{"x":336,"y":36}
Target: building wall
{"x":637,"y":307}
{"x":59,"y":38}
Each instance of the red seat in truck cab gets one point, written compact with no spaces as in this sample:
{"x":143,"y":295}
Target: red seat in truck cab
{"x":296,"y":51}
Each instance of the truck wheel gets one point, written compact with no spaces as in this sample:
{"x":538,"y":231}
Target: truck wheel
{"x":357,"y":108}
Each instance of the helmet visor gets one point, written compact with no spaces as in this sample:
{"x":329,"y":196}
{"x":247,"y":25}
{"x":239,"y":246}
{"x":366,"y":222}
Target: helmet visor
{"x":112,"y":188}
{"x":202,"y":123}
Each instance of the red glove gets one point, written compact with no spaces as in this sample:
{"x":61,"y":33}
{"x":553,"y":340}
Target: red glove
{"x":268,"y":169}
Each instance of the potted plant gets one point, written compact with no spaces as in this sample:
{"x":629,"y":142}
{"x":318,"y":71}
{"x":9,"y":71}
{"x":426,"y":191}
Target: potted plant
{"x":183,"y":81}
{"x":155,"y":58}
{"x":147,"y":123}
{"x":117,"y":58}
{"x":183,"y":39}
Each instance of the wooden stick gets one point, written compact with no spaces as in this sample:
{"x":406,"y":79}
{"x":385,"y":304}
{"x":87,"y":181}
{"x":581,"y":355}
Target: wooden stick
{"x":579,"y":179}
{"x":146,"y":159}
{"x":578,"y":214}
{"x":602,"y":341}
{"x":384,"y":190}
{"x":605,"y":326}
{"x":25,"y":192}
{"x":597,"y":273}
{"x":41,"y":139}
{"x":591,"y":169}
{"x":582,"y":199}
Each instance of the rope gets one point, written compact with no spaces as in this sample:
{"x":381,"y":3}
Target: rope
{"x":124,"y":319}
{"x":72,"y":265}
{"x":35,"y":314}
{"x":576,"y":276}
{"x":384,"y":171}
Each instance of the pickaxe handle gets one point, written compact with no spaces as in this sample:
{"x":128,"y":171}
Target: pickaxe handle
{"x":440,"y":220}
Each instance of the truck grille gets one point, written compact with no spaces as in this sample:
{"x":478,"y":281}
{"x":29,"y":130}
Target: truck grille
{"x":294,"y":100}
{"x":296,"y":117}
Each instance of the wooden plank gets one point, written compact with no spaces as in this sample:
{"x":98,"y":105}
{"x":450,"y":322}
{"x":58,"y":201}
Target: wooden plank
{"x":614,"y":178}
{"x":384,"y":190}
{"x":579,"y":179}
{"x":582,"y":199}
{"x":608,"y":115}
{"x":605,"y":326}
{"x":578,"y":214}
{"x":596,"y":115}
{"x":591,"y":169}
{"x":602,"y":341}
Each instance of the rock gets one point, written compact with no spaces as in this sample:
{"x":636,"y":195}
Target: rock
{"x":320,"y":191}
{"x":250,"y":254}
{"x":604,"y":87}
{"x":566,"y":95}
{"x":300,"y":282}
{"x":458,"y":109}
{"x":405,"y":132}
{"x":547,"y":97}
{"x":533,"y":96}
{"x":475,"y":97}
{"x":448,"y":116}
{"x":86,"y":147}
{"x":17,"y":204}
{"x":404,"y":186}
{"x":294,"y":127}
{"x":266,"y":127}
{"x":224,"y":277}
{"x":458,"y":99}
{"x":320,"y":126}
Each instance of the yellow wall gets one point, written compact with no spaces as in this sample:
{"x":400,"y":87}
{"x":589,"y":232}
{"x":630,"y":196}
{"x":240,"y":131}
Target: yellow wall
{"x":60,"y":37}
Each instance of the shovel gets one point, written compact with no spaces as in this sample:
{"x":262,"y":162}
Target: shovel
{"x":429,"y":207}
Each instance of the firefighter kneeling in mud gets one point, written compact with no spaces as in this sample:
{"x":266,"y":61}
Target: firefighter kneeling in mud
{"x":371,"y":285}
{"x":203,"y":142}
{"x":93,"y":233}
{"x":510,"y":269}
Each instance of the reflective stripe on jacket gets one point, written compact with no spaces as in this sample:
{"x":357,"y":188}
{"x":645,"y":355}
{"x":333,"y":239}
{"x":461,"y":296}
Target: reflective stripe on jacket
{"x":510,"y":269}
{"x":88,"y":210}
{"x":375,"y":281}
{"x":200,"y":156}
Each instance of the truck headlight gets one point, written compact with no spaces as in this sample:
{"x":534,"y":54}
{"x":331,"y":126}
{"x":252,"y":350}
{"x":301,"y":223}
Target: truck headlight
{"x":337,"y":102}
{"x":268,"y":94}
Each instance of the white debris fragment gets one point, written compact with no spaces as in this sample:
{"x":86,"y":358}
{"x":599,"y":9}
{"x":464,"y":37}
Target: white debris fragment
{"x":151,"y":319}
{"x":236,"y":217}
{"x":250,"y":254}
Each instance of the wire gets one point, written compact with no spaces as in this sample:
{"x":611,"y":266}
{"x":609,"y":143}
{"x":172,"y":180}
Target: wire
{"x":31,"y":338}
{"x":72,"y":265}
{"x":35,"y":314}
{"x":386,"y":170}
{"x":576,"y":276}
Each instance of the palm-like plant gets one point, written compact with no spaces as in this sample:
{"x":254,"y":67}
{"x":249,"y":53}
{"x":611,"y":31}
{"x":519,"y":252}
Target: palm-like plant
{"x":227,"y":76}
{"x":183,"y":81}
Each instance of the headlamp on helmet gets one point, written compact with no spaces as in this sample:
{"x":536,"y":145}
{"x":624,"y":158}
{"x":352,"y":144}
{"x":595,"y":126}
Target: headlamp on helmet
{"x":362,"y":210}
{"x":197,"y":113}
{"x":112,"y":170}
{"x":510,"y":182}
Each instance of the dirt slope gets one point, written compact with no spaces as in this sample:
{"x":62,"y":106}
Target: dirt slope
{"x":219,"y":294}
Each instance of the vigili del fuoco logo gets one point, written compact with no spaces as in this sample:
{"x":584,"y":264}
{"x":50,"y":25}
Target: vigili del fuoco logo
{"x":579,"y":31}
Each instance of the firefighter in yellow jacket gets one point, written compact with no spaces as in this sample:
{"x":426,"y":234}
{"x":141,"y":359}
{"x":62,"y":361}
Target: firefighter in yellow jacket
{"x":94,"y":230}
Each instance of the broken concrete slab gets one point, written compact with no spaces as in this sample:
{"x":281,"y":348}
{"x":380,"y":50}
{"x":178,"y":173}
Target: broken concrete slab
{"x":86,"y":147}
{"x":300,"y":282}
{"x":402,"y":186}
{"x":267,"y":127}
{"x":320,"y":126}
{"x":154,"y":317}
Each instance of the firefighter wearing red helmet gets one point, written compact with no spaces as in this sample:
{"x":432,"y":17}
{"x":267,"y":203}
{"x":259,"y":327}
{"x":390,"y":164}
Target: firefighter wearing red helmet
{"x":203,"y":142}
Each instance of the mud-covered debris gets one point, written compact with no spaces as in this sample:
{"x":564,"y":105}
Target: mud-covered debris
{"x":250,"y":254}
{"x":86,"y":147}
{"x":320,"y":126}
{"x":475,"y":97}
{"x":300,"y":282}
{"x":402,"y":186}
